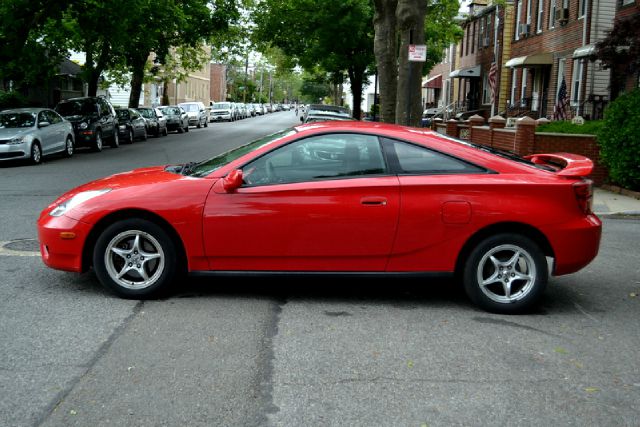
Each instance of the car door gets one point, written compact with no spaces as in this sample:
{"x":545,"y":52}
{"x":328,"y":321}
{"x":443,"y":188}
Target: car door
{"x":323,"y":203}
{"x":46,"y":134}
{"x":58,"y":131}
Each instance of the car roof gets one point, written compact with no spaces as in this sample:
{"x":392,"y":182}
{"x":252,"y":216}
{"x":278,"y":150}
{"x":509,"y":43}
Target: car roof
{"x":25,"y":110}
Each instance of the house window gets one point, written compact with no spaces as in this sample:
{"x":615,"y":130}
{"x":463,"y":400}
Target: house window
{"x":540,"y":16}
{"x":514,"y":86}
{"x":582,"y":8}
{"x":627,"y":2}
{"x":529,"y":11}
{"x":523,"y":87}
{"x":552,"y":13}
{"x":518,"y":17}
{"x":481,"y":35}
{"x":473,"y":36}
{"x":576,"y":83}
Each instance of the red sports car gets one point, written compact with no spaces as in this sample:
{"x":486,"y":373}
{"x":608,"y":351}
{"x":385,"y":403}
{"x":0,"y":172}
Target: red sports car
{"x":336,"y":197}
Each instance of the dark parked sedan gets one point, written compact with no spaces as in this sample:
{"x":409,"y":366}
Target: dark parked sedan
{"x":154,"y":125}
{"x":177,"y":118}
{"x":131,"y":125}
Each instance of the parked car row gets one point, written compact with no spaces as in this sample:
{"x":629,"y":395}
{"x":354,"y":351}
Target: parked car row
{"x":31,"y":133}
{"x":232,"y":111}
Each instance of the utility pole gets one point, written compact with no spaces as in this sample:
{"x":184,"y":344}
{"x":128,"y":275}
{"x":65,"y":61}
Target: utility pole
{"x":246,"y":73}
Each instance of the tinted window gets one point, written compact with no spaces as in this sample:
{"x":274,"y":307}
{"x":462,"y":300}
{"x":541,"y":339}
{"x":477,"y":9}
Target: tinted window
{"x":122,"y":114}
{"x":53,"y":117}
{"x":17,"y":120}
{"x":147,"y":112}
{"x":416,"y":159}
{"x":321,"y":157}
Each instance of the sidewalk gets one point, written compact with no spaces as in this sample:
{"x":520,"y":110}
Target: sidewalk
{"x":608,"y":203}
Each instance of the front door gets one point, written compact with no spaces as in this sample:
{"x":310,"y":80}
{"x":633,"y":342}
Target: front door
{"x":323,"y":203}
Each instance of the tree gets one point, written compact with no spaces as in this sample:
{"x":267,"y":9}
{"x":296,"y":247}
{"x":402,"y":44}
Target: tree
{"x":396,"y":24}
{"x":620,"y":51}
{"x":335,"y":35}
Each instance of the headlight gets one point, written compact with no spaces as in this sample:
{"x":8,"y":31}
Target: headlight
{"x":76,"y":200}
{"x":123,"y":127}
{"x":83,"y":125}
{"x":17,"y":140}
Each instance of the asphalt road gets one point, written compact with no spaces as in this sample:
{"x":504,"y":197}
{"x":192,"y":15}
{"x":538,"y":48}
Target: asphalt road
{"x":292,"y":352}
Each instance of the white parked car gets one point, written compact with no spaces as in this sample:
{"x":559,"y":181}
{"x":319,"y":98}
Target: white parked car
{"x":198,"y":114}
{"x":31,"y":133}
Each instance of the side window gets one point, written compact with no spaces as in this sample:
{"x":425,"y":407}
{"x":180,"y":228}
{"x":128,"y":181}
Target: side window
{"x":331,"y":156}
{"x":414,"y":159}
{"x":104,"y":108}
{"x":42,"y":117}
{"x":52,"y":117}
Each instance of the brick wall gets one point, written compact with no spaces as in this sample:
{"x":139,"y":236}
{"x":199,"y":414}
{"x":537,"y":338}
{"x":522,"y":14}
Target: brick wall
{"x":525,"y":141}
{"x":218,"y":91}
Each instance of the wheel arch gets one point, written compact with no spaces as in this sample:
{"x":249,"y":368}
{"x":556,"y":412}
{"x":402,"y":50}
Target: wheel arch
{"x":103,"y":223}
{"x":504,"y":227}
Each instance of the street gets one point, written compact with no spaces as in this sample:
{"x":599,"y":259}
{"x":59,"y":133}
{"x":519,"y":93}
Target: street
{"x":290,"y":352}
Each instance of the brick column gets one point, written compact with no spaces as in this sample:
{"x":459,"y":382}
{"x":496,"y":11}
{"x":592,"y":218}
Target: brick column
{"x":474,"y":120}
{"x":497,"y":122}
{"x":435,"y":123}
{"x":525,"y":136}
{"x":452,"y":128}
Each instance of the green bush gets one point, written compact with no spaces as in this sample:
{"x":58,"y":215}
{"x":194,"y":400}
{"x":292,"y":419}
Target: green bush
{"x":11,"y":100}
{"x":588,"y":128}
{"x":619,"y":140}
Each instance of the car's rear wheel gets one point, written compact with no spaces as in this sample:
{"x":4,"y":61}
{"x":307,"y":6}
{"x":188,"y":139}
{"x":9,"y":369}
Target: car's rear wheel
{"x":186,"y":129}
{"x":165,"y":132}
{"x":69,"y":149}
{"x":506,"y":273}
{"x":115,"y":140}
{"x":36,"y":153}
{"x":130,"y":138}
{"x":144,"y":135}
{"x":135,"y":258}
{"x":97,"y":145}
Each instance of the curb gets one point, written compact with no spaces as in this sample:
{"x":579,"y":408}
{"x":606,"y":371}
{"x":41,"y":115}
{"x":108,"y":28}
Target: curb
{"x":620,"y":190}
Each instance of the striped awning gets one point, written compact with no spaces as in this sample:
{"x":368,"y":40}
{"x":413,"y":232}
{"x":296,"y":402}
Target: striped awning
{"x":529,"y":61}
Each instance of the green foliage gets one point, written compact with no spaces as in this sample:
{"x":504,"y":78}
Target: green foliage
{"x":619,"y":140}
{"x":588,"y":128}
{"x":440,"y":30}
{"x":11,"y":100}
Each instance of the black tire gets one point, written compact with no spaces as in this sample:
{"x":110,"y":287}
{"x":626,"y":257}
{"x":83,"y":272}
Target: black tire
{"x":144,"y":135}
{"x":199,"y":125}
{"x":69,"y":147}
{"x":36,"y":153}
{"x":165,"y":132}
{"x":117,"y":254}
{"x":186,"y":129}
{"x":180,"y":130}
{"x":157,"y":133}
{"x":512,"y":284}
{"x":131,"y":137}
{"x":97,"y":144}
{"x":115,"y":139}
{"x":206,"y":123}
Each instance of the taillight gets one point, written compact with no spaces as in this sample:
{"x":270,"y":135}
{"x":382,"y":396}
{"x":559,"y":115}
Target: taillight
{"x":584,"y":195}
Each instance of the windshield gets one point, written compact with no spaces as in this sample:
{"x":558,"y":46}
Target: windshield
{"x":175,"y":111}
{"x":122,"y":114}
{"x":191,"y":108}
{"x":221,"y":106}
{"x":146,"y":112}
{"x":76,"y":108}
{"x":17,"y":120}
{"x":205,"y":168}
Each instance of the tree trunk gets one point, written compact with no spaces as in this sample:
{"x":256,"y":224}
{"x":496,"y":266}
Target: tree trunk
{"x":356,"y":78}
{"x":410,"y":17}
{"x":385,"y":46}
{"x":165,"y":93}
{"x":137,"y":78}
{"x":95,"y":71}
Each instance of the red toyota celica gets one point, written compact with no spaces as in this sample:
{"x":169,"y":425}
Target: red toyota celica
{"x":344,"y":198}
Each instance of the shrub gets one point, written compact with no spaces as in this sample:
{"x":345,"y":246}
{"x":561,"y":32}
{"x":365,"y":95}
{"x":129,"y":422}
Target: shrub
{"x":11,"y":100}
{"x":588,"y":128}
{"x":619,"y":140}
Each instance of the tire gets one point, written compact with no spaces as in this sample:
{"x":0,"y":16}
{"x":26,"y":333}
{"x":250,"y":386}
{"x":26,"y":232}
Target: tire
{"x":206,"y":123}
{"x":199,"y":125}
{"x":157,"y":133}
{"x":135,"y":258}
{"x":165,"y":132}
{"x":69,"y":148}
{"x":130,"y":138}
{"x":36,"y":153}
{"x":180,"y":130}
{"x":97,"y":145}
{"x":511,"y":284}
{"x":186,"y":129}
{"x":115,"y":140}
{"x":144,"y":135}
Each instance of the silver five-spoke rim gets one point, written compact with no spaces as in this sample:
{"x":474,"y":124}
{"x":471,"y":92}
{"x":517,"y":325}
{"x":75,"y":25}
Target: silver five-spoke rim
{"x":506,"y":273}
{"x":134,"y":259}
{"x":36,"y":153}
{"x":69,"y":147}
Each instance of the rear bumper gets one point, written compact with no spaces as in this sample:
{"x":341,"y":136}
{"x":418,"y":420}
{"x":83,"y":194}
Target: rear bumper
{"x":575,"y":244}
{"x":58,"y":252}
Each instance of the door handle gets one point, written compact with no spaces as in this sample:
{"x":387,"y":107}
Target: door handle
{"x":373,"y":201}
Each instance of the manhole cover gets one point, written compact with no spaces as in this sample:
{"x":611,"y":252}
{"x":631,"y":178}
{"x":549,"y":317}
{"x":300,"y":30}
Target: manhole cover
{"x":24,"y":245}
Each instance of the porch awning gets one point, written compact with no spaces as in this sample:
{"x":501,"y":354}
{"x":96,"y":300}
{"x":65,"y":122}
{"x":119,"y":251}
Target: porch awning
{"x":466,"y":72}
{"x":529,"y":61}
{"x":584,"y":51}
{"x":434,"y":82}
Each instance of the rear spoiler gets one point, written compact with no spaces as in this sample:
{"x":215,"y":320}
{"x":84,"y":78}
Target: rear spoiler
{"x":567,"y":164}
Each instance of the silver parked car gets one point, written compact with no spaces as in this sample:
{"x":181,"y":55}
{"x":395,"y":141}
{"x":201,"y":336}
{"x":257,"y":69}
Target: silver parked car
{"x":31,"y":133}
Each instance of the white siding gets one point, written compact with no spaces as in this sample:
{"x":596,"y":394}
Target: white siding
{"x":604,"y":12}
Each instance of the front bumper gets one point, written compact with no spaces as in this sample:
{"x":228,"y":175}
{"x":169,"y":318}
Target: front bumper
{"x":58,"y":249}
{"x":14,"y":151}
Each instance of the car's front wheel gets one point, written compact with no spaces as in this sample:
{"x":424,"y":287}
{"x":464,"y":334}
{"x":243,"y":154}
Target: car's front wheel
{"x":506,"y":273}
{"x":36,"y":153}
{"x":135,"y":258}
{"x":69,"y":149}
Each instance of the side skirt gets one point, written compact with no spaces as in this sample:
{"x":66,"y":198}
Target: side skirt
{"x":337,"y":274}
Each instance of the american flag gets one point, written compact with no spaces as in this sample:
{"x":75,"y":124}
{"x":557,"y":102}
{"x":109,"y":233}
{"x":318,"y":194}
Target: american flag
{"x":493,"y":78}
{"x":561,"y":108}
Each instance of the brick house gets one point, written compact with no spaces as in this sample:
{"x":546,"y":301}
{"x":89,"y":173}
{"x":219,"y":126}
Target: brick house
{"x":436,"y":87}
{"x":552,"y":42}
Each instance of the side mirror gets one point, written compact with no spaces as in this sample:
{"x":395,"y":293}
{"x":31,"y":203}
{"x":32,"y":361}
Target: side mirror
{"x":43,"y":124}
{"x":232,"y":181}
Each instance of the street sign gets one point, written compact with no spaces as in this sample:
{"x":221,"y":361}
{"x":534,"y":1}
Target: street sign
{"x":418,"y":52}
